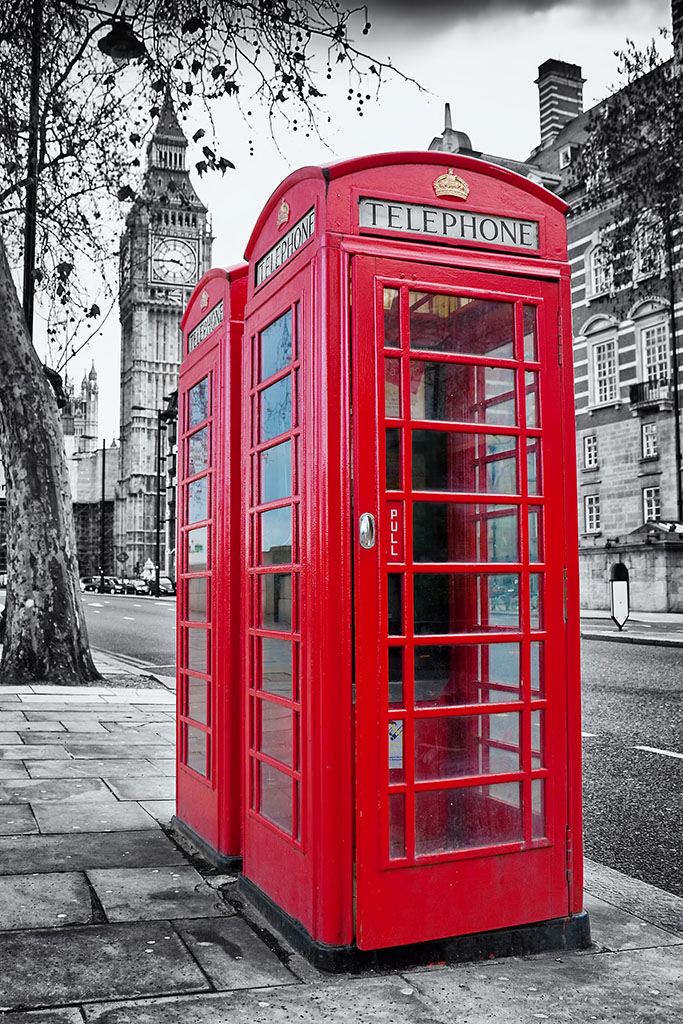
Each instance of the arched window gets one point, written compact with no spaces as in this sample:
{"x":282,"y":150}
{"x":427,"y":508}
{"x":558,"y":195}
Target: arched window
{"x":598,"y":270}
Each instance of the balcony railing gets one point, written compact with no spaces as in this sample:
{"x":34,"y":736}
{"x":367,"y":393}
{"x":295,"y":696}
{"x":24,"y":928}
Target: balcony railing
{"x":649,"y":393}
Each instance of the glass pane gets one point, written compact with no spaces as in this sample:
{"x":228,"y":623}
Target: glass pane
{"x":537,"y":670}
{"x":276,"y":601}
{"x":397,"y":826}
{"x":276,"y":472}
{"x":393,"y":446}
{"x":391,"y":318}
{"x":198,"y":500}
{"x":454,"y":323}
{"x":197,"y":550}
{"x":538,"y":808}
{"x":276,"y":731}
{"x":456,"y":674}
{"x":461,"y":532}
{"x":536,"y":618}
{"x":196,"y":650}
{"x":198,"y":452}
{"x":276,"y":409}
{"x":532,"y":409}
{"x":462,"y":393}
{"x":276,"y":536}
{"x":457,"y":819}
{"x":276,"y":666}
{"x":533,"y":466}
{"x":530,"y":334}
{"x":396,"y":773}
{"x":198,"y":401}
{"x":195,"y":749}
{"x":275,"y":789}
{"x":392,"y":387}
{"x":466,"y":602}
{"x":482,"y":463}
{"x":395,"y":603}
{"x":535,"y":535}
{"x":395,"y":675}
{"x":197,"y":705}
{"x":451,"y":748}
{"x":197,"y":600}
{"x":276,"y":346}
{"x":537,"y":740}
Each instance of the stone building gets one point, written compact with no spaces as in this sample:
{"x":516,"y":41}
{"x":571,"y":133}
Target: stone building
{"x":165,"y":248}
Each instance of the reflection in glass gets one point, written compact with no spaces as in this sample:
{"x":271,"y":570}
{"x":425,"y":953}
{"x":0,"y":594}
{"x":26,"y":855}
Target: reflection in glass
{"x":538,"y":808}
{"x":537,"y":740}
{"x":196,"y":749}
{"x":276,"y":409}
{"x":276,"y":666}
{"x":535,"y":537}
{"x":276,"y":601}
{"x":391,"y":318}
{"x":393,"y":452}
{"x":462,"y":393}
{"x":275,"y":790}
{"x":535,"y":600}
{"x":465,"y":602}
{"x":198,"y":399}
{"x":451,"y":748}
{"x":530,"y":334}
{"x":276,"y":346}
{"x":449,"y":675}
{"x":198,"y":499}
{"x":276,"y":536}
{"x":395,"y":603}
{"x":469,"y":816}
{"x":397,"y":826}
{"x":454,"y":461}
{"x":197,"y":700}
{"x":533,"y":469}
{"x":196,"y":650}
{"x":197,"y":599}
{"x":276,"y":731}
{"x":396,"y":773}
{"x":396,"y":675}
{"x":531,"y":387}
{"x":454,"y":323}
{"x":537,"y":670}
{"x":462,"y":532}
{"x":392,"y":387}
{"x":198,"y":452}
{"x":197,"y":549}
{"x":276,"y":472}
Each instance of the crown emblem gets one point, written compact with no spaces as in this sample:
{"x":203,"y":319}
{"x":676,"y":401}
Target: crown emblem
{"x":451,"y":185}
{"x":204,"y":299}
{"x":283,"y":213}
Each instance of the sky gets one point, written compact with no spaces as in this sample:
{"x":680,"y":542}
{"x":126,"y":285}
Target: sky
{"x":481,"y":56}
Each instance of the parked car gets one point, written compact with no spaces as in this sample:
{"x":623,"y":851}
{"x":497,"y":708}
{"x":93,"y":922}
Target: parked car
{"x":135,"y":586}
{"x":112,"y":585}
{"x":166,"y":585}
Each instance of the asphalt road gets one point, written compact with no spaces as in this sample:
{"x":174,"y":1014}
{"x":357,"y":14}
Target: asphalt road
{"x":633,"y":798}
{"x":139,"y":630}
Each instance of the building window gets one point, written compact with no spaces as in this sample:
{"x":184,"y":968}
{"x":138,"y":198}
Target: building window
{"x":649,"y":439}
{"x":592,"y":512}
{"x":590,"y":451}
{"x":598,"y":271}
{"x":655,"y":341}
{"x":648,"y":247}
{"x":651,"y":506}
{"x":565,"y":156}
{"x":606,"y":383}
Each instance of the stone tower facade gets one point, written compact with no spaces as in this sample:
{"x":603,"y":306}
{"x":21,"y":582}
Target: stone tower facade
{"x":165,"y":248}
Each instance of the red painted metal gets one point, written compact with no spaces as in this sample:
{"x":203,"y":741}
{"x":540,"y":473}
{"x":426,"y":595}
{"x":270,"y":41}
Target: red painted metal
{"x":346,"y":794}
{"x":209,"y":784}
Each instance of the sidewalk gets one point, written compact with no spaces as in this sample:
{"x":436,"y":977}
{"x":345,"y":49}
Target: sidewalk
{"x":656,"y":629}
{"x":105,"y":919}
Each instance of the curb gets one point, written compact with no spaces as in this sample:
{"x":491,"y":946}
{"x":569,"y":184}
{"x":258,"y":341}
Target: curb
{"x":621,"y":638}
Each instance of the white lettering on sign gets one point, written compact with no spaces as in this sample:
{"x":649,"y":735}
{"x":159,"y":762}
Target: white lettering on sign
{"x":204,"y":328}
{"x":437,"y":222}
{"x":393,"y":532}
{"x":286,"y":247}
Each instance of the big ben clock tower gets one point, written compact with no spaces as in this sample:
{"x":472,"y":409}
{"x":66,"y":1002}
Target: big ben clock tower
{"x":165,"y":249}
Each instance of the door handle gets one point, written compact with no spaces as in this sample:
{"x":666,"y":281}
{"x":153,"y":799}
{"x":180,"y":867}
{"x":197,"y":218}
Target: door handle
{"x":366,"y":530}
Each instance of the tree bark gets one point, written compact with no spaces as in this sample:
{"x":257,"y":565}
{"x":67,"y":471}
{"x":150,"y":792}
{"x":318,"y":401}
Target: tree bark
{"x":46,"y":638}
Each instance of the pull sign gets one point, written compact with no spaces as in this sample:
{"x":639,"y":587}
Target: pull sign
{"x":395,"y":532}
{"x":366,"y":530}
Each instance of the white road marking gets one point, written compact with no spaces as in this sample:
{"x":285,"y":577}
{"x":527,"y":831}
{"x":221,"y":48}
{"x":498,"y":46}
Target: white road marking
{"x":589,"y":734}
{"x":94,"y":604}
{"x":131,"y":618}
{"x":656,"y":750}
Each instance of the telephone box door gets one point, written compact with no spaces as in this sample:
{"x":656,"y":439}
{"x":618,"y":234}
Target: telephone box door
{"x":461,"y":659}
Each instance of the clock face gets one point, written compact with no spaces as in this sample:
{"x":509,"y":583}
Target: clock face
{"x":174,"y":261}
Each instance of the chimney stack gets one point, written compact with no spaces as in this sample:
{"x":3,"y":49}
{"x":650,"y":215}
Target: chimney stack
{"x":560,"y":95}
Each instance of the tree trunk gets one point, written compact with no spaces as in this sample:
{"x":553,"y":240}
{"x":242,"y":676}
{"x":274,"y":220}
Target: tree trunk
{"x":46,"y":638}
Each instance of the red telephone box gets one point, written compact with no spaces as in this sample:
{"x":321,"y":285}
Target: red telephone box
{"x":209,"y":707}
{"x":410,"y":580}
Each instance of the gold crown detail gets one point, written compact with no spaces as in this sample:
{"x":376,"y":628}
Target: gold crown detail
{"x":204,"y":300}
{"x":451,"y":185}
{"x":283,"y":213}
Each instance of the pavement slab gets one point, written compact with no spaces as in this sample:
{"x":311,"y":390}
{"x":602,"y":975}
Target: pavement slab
{"x":65,"y":1015}
{"x":10,"y":738}
{"x":50,"y":900}
{"x":80,"y":769}
{"x":17,"y":820}
{"x":232,"y":955}
{"x":614,"y":929}
{"x":24,"y":791}
{"x":45,"y":727}
{"x":90,"y":727}
{"x":162,"y":767}
{"x":150,"y":788}
{"x":13,"y":770}
{"x":94,"y":962}
{"x":90,"y":816}
{"x":118,"y":750}
{"x":101,"y":713}
{"x":161,"y":810}
{"x":150,"y":894}
{"x":37,"y":753}
{"x":661,"y":908}
{"x":38,"y":853}
{"x":357,"y":1001}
